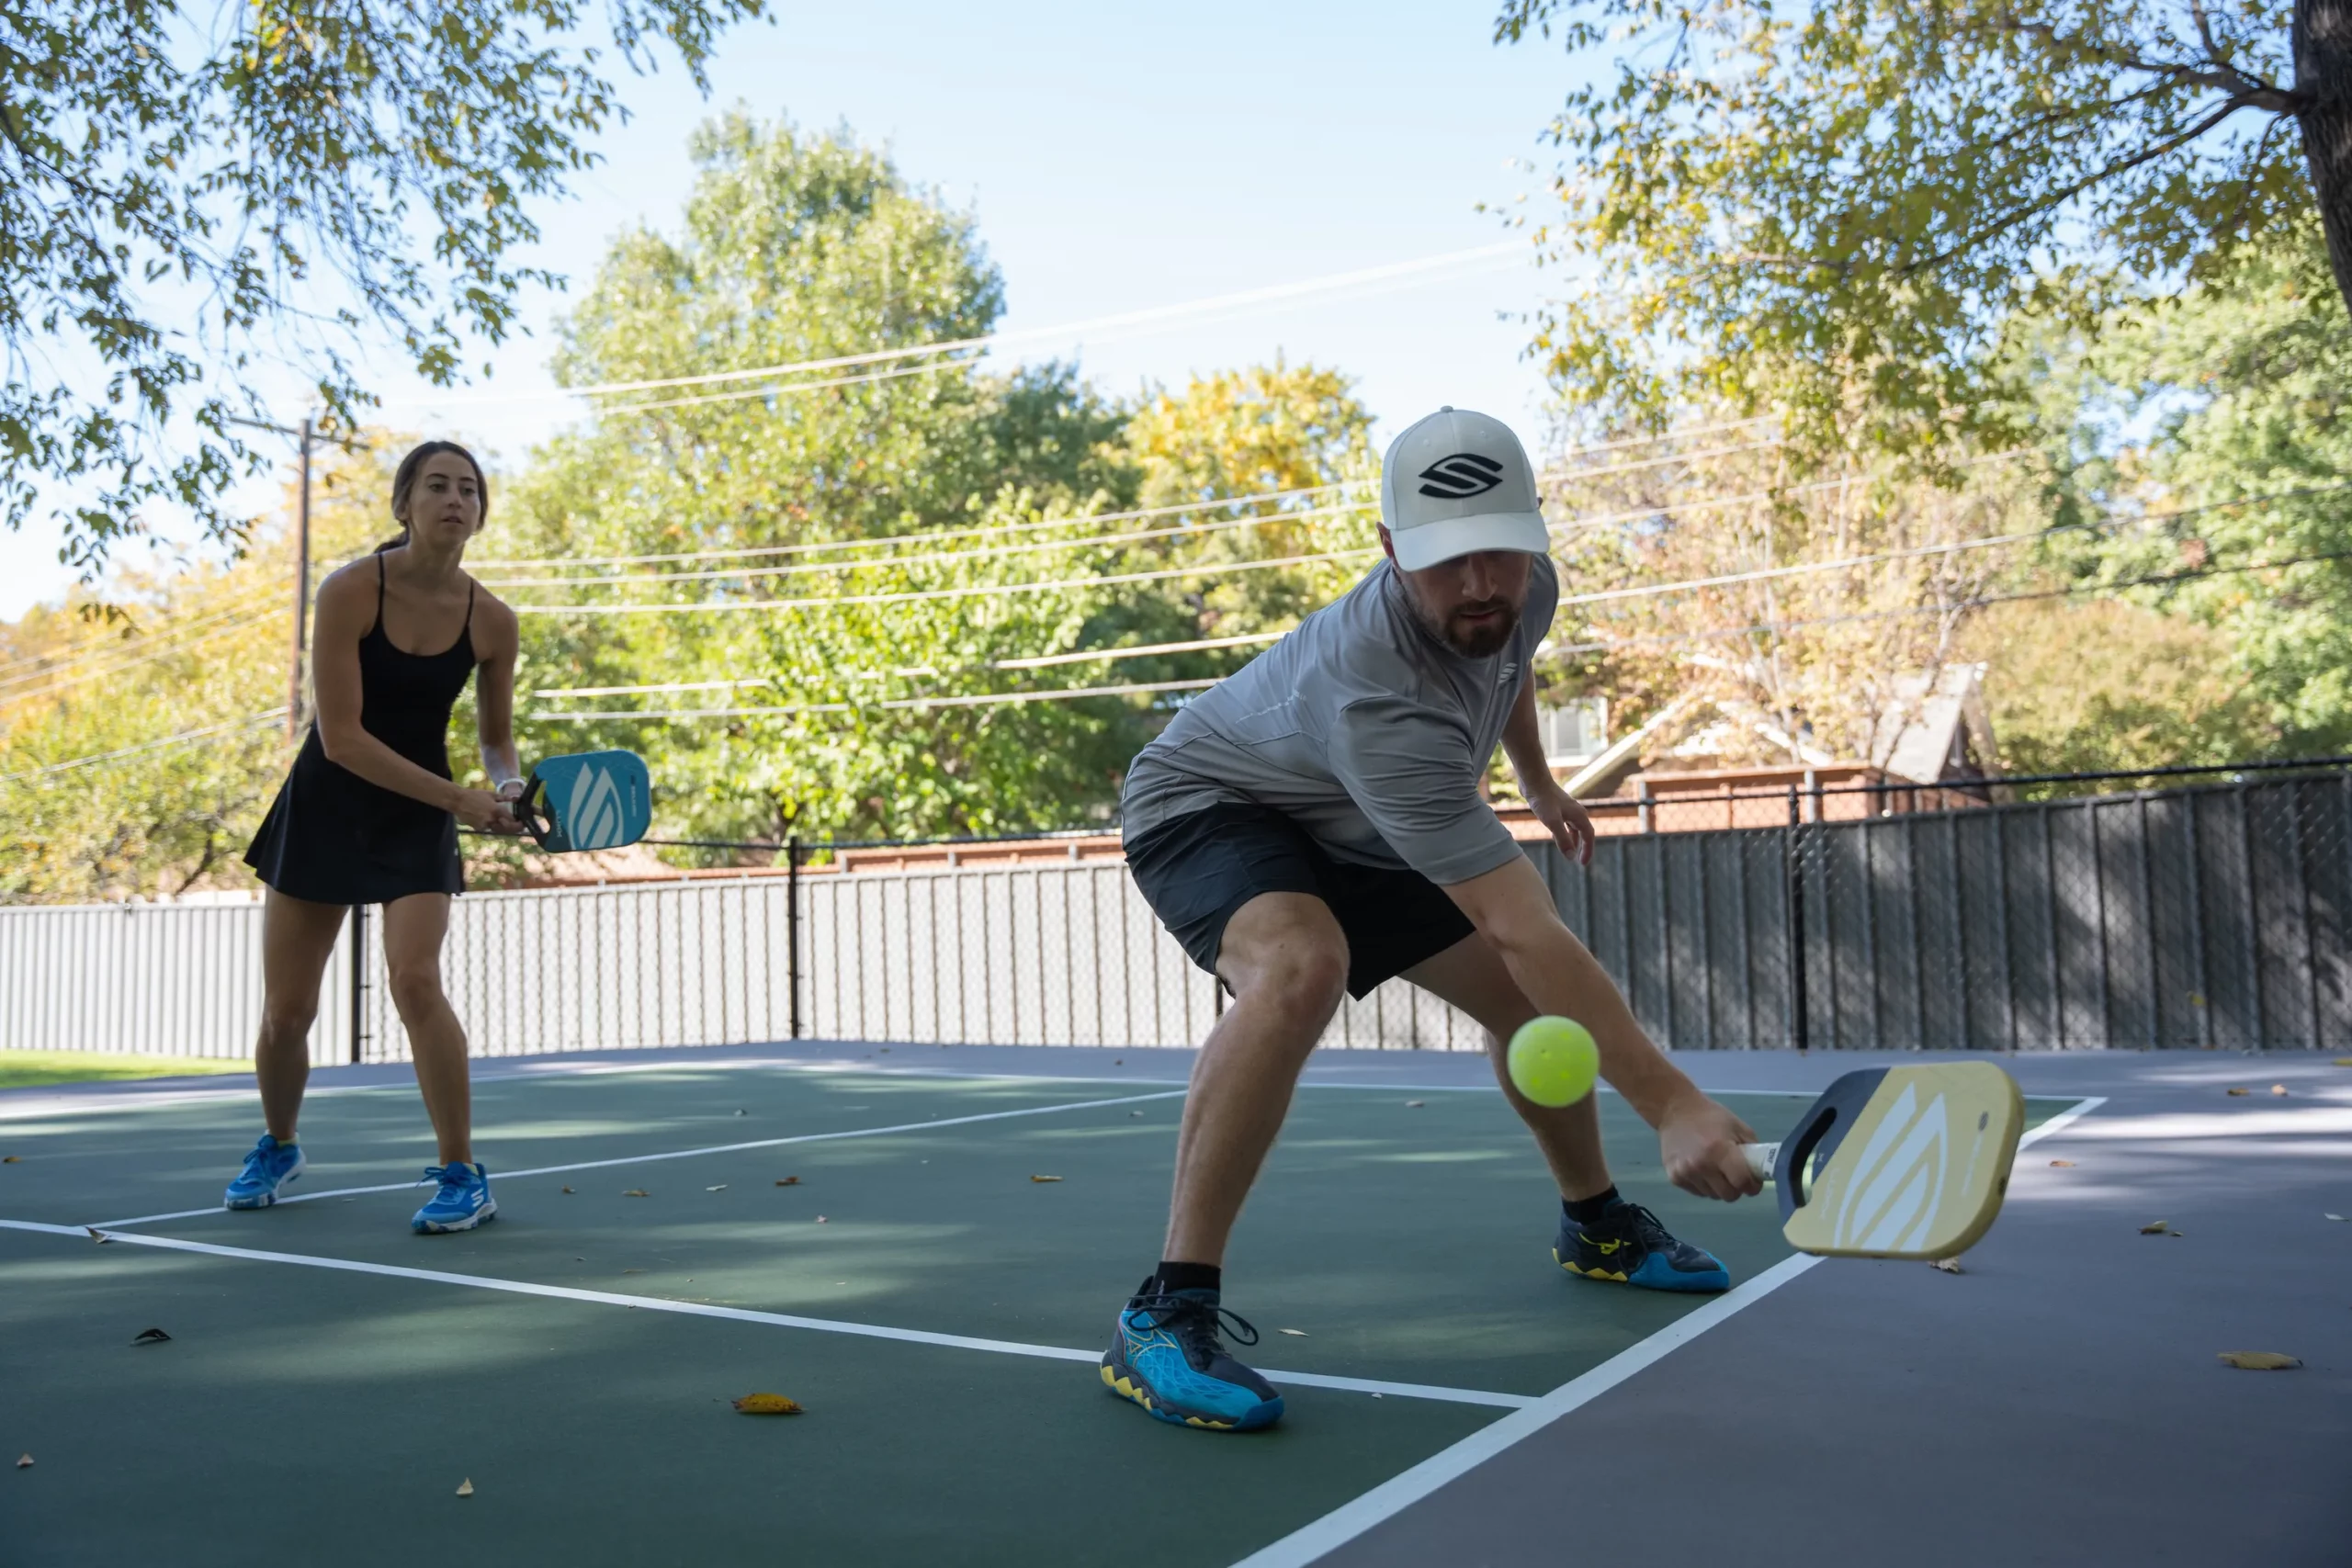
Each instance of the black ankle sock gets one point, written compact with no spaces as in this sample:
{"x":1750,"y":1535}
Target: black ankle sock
{"x":1190,"y":1276}
{"x":1584,"y":1211}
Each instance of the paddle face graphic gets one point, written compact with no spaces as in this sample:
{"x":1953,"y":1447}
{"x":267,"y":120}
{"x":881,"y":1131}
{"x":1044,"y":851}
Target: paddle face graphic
{"x":1900,"y":1162}
{"x":591,"y":800}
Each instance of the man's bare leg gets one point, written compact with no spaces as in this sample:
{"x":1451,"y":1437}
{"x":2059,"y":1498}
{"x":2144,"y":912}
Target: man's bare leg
{"x":1472,"y":976}
{"x":1286,"y":963}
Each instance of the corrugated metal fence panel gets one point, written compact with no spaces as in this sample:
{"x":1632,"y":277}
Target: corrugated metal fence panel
{"x":149,"y":979}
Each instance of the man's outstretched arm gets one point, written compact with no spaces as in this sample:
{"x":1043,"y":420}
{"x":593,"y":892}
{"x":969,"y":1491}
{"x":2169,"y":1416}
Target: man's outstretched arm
{"x":1698,"y":1139}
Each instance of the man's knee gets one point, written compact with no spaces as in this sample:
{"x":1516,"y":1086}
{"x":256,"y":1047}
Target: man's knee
{"x":1301,"y":973}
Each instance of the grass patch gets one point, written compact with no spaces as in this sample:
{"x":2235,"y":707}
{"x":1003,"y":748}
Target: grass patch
{"x":32,"y":1069}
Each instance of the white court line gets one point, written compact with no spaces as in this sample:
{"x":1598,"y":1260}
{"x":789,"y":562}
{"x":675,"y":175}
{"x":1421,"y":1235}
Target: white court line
{"x":742,"y":1314}
{"x":1393,"y":1496}
{"x":682,"y":1154}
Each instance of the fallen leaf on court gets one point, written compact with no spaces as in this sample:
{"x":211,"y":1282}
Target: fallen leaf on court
{"x":766,"y":1404}
{"x":2063,"y":1164}
{"x":2260,"y":1361}
{"x":742,"y":1112}
{"x":821,"y":1219}
{"x":720,"y":1188}
{"x":2154,"y":1227}
{"x":567,"y":1190}
{"x":636,"y":1192}
{"x":632,"y":1270}
{"x":2279,"y":1089}
{"x":1415,"y":1104}
{"x":789,"y":1182}
{"x":22,"y":1461}
{"x":152,"y":1336}
{"x":2338,"y":1217}
{"x":97,"y":1236}
{"x":2340,"y":1061}
{"x":466,"y":1487}
{"x":1045,"y":1178}
{"x":13,"y":1159}
{"x":1296,"y":1333}
{"x":1134,"y":1112}
{"x":1949,"y":1265}
{"x":2239,"y":1091}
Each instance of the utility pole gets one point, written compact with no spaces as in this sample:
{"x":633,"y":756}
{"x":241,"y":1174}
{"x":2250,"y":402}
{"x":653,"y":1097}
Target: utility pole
{"x":305,"y":437}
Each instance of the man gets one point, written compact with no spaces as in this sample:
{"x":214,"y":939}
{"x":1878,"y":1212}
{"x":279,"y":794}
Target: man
{"x":1314,"y":825}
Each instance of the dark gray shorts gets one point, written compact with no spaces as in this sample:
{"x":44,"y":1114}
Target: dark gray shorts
{"x":1196,"y":870}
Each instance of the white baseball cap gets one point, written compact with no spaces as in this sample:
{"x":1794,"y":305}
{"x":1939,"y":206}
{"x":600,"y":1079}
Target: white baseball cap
{"x":1455,"y":482}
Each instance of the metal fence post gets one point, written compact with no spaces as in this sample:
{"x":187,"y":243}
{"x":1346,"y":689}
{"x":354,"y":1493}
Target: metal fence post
{"x":792,"y":931}
{"x":1793,"y":904}
{"x":358,"y":983}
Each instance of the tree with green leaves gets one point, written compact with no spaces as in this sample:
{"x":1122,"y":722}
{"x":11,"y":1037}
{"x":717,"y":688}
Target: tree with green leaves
{"x":186,"y":196}
{"x":1834,"y":211}
{"x":870,"y":547}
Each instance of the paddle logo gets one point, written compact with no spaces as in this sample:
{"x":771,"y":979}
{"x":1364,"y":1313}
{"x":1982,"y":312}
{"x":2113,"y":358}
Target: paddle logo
{"x":1898,"y":1180}
{"x":593,"y":817}
{"x":1461,"y":476}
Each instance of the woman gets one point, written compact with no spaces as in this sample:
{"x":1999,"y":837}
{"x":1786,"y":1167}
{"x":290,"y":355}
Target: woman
{"x":370,"y":815}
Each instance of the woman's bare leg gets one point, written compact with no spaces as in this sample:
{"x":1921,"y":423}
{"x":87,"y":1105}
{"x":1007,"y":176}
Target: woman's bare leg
{"x":296,"y":940}
{"x":413,"y":928}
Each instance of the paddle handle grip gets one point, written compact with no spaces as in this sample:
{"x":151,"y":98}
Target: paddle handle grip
{"x":1760,"y":1158}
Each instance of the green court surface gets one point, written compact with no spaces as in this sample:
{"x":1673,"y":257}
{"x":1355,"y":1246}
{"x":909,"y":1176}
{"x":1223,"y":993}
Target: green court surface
{"x":575,"y":1359}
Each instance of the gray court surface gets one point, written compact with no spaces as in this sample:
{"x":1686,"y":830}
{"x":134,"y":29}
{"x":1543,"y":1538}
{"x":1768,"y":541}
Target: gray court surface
{"x":2060,"y":1401}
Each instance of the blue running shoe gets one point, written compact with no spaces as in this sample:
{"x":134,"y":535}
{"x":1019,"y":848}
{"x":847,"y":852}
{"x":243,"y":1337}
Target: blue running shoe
{"x":1166,"y":1357}
{"x":267,"y":1170}
{"x":463,"y":1203}
{"x":1628,"y":1246}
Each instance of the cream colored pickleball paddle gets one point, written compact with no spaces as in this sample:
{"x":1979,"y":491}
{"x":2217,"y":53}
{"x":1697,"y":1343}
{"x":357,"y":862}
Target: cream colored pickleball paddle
{"x":1897,"y":1162}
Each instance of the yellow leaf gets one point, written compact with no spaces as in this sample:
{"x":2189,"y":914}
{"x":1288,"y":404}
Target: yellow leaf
{"x":789,"y":1182}
{"x":1045,"y":1178}
{"x":636,"y":1192}
{"x":2239,"y":1091}
{"x":766,"y":1404}
{"x":1949,"y":1265}
{"x":13,"y":1159}
{"x":2063,"y":1164}
{"x":466,"y":1487}
{"x":2340,"y":1061}
{"x":2154,"y":1227}
{"x":2260,"y":1361}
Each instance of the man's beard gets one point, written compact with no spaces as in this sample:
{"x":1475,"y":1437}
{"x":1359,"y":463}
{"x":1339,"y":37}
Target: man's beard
{"x":1483,"y":640}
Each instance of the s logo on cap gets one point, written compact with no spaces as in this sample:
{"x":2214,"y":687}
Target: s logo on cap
{"x":1461,"y":476}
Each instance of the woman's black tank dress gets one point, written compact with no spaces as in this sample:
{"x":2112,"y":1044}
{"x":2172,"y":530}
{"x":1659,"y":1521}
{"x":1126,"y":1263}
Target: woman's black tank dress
{"x":334,"y":838}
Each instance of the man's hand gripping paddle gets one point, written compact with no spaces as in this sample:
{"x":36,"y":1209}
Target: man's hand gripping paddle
{"x":590,"y":800}
{"x":1897,"y":1162}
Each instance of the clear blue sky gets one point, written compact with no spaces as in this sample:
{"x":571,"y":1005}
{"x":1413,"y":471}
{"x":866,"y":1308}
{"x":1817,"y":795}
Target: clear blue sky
{"x":1116,"y":159}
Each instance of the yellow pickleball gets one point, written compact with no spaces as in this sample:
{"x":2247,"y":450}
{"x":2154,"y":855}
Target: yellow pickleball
{"x":1553,"y":1061}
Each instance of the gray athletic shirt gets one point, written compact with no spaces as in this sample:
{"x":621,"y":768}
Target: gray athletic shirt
{"x":1362,"y":727}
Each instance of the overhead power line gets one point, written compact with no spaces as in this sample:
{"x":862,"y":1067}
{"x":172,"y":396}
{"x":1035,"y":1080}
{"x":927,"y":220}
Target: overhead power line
{"x":912,"y":595}
{"x":1306,"y":288}
{"x":985,"y":699}
{"x":1095,"y":656}
{"x":185,"y":737}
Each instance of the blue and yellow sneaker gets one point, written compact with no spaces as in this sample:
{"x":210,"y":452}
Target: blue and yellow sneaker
{"x":1166,"y":1357}
{"x":1628,"y":1246}
{"x":267,"y":1170}
{"x":463,"y":1202}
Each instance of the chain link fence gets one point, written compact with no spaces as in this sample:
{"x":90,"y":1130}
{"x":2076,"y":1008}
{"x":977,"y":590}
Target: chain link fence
{"x":1870,"y":917}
